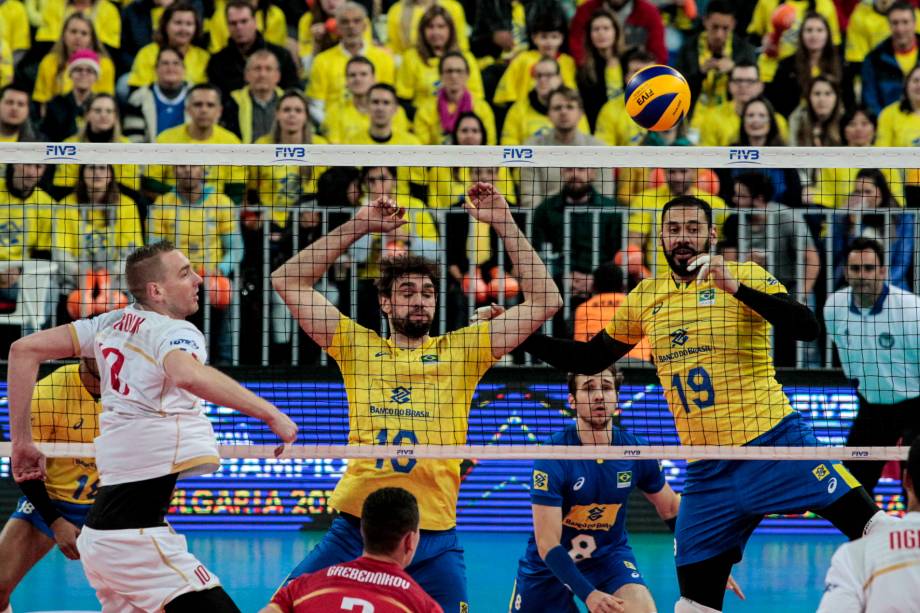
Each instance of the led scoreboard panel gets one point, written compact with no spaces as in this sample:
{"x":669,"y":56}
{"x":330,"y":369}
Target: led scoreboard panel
{"x":294,"y":494}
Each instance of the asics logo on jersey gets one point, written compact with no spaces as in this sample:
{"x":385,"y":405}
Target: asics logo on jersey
{"x":657,"y":308}
{"x":679,"y":337}
{"x":578,"y":484}
{"x":78,"y":425}
{"x":380,"y":354}
{"x":832,"y":485}
{"x":401,"y":395}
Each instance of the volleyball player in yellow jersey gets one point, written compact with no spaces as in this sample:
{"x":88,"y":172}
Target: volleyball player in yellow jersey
{"x":65,"y":409}
{"x":709,"y":324}
{"x":411,"y":387}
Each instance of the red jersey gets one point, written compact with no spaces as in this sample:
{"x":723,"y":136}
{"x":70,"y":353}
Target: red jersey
{"x":362,"y":586}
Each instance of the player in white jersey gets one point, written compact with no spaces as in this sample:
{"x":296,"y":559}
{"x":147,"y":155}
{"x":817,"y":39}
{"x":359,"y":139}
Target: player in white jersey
{"x":880,"y":573}
{"x":152,"y":432}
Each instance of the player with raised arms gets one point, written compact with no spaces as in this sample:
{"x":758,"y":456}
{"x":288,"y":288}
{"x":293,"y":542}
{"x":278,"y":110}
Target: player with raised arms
{"x":709,"y":324}
{"x":65,"y":409}
{"x":411,"y":387}
{"x":153,"y":430}
{"x":374,"y":582}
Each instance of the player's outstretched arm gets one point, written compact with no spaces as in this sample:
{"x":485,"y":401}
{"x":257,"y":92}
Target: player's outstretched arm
{"x":541,"y":296}
{"x":214,"y":386}
{"x":295,"y":279}
{"x":26,"y":354}
{"x":580,"y":357}
{"x":547,"y":530}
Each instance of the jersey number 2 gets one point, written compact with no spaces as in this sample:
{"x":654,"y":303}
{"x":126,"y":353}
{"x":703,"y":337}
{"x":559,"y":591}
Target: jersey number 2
{"x":115,"y":369}
{"x":698,"y":380}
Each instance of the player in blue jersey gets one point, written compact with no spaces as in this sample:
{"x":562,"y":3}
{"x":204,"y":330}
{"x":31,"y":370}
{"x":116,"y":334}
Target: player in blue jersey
{"x":579,"y":514}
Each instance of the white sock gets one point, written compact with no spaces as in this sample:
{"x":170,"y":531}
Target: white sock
{"x":685,"y":605}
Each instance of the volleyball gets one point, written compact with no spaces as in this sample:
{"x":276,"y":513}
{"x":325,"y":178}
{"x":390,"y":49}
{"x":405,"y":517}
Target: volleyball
{"x":657,"y":98}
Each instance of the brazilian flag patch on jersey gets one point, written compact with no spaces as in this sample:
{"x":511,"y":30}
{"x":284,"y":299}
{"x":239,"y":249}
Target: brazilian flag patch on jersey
{"x":707,"y":297}
{"x":624,"y":479}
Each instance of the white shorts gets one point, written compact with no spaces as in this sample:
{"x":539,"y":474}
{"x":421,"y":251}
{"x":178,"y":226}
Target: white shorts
{"x":140,"y":569}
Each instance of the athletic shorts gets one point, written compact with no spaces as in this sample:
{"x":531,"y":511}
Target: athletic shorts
{"x":437,"y":566}
{"x":724,"y":500}
{"x":140,"y":569}
{"x":71,"y":511}
{"x":540,"y":591}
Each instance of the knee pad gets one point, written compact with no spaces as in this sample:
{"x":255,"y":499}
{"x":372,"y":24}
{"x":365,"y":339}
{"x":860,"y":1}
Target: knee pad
{"x":685,"y":605}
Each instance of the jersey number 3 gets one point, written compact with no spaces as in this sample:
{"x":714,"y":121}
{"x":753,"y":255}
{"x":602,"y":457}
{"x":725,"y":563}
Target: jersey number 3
{"x":698,"y":380}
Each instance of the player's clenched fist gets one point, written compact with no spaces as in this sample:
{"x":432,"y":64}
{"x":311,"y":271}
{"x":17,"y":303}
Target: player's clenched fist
{"x":381,"y":215}
{"x":283,"y":426}
{"x":486,"y":204}
{"x":599,"y":602}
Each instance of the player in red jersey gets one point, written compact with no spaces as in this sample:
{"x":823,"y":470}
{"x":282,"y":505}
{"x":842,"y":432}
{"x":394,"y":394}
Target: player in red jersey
{"x":374,"y":582}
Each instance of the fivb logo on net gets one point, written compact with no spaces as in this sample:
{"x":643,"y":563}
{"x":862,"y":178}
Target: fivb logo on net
{"x":744,"y":156}
{"x":521,"y":155}
{"x":60,"y":153}
{"x":289,"y":154}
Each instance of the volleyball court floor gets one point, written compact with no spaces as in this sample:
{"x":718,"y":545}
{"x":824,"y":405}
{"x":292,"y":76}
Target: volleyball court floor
{"x":779,"y":572}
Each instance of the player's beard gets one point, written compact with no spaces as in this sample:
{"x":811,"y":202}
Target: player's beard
{"x":681,"y":269}
{"x":411,"y":328}
{"x":597,"y":422}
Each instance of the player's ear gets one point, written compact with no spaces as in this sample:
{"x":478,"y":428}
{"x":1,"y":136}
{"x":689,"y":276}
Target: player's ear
{"x":572,"y":401}
{"x":385,"y":305}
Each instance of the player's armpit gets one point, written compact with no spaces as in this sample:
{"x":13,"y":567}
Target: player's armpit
{"x":580,"y":357}
{"x":787,"y":315}
{"x":318,"y":317}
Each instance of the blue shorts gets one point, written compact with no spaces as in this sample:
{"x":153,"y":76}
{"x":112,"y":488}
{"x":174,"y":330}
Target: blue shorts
{"x":71,"y":511}
{"x":538,"y":590}
{"x":437,"y":566}
{"x":724,"y":500}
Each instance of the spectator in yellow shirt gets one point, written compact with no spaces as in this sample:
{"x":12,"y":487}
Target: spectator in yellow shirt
{"x":203,"y":107}
{"x":327,"y":77}
{"x":417,"y":78}
{"x":899,"y":126}
{"x":15,"y":29}
{"x":102,"y":15}
{"x":277,"y":187}
{"x":14,"y":115}
{"x":778,"y":46}
{"x":348,"y":119}
{"x":547,"y":28}
{"x":52,"y":79}
{"x":180,"y":27}
{"x":436,"y":118}
{"x":403,"y":18}
{"x":318,"y":31}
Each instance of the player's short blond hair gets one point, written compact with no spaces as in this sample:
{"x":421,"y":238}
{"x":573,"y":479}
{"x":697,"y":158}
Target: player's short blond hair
{"x":145,"y":265}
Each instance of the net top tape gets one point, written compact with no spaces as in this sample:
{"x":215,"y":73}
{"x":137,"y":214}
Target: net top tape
{"x":462,"y":156}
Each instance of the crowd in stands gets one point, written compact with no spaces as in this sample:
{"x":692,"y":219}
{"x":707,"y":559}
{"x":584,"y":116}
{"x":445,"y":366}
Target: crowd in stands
{"x":446,"y":72}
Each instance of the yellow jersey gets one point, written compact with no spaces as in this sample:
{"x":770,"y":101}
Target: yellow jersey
{"x":344,"y":122}
{"x":419,"y":81}
{"x":144,"y":68}
{"x":448,"y":186}
{"x":327,"y":75}
{"x":899,"y":129}
{"x":415,"y":396}
{"x":399,"y":45}
{"x":102,"y":236}
{"x":195,"y":228}
{"x":517,"y":81}
{"x":712,"y":354}
{"x":63,"y":411}
{"x":833,"y":186}
{"x":427,"y":123}
{"x":305,"y":40}
{"x":866,"y":29}
{"x":6,"y":63}
{"x":280,"y":188}
{"x":720,"y":126}
{"x":49,"y":83}
{"x":761,"y":23}
{"x":25,"y":224}
{"x":129,"y":175}
{"x":524,"y":122}
{"x":274,"y":31}
{"x":104,"y":16}
{"x":219,"y":176}
{"x":646,"y":222}
{"x":14,"y":25}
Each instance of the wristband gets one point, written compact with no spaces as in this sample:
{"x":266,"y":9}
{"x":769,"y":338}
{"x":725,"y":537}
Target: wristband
{"x":559,"y":561}
{"x":37,"y":495}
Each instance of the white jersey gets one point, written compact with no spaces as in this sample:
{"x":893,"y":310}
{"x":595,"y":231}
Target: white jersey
{"x":149,"y":427}
{"x":879,"y":346}
{"x":879,"y":573}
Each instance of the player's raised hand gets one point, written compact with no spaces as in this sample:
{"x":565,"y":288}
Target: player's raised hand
{"x":733,"y":586}
{"x":713,"y":268}
{"x":381,"y":215}
{"x":28,"y":462}
{"x":599,"y":602}
{"x":486,"y":204}
{"x":65,"y":535}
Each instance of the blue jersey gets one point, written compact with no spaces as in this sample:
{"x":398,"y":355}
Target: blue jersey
{"x":592,"y":495}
